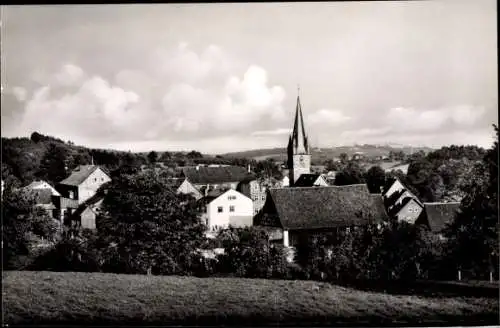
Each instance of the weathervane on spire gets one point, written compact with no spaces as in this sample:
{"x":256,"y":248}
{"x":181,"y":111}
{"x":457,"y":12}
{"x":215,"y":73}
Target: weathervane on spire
{"x":298,"y":89}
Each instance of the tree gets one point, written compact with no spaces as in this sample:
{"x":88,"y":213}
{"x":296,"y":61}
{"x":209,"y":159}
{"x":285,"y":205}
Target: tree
{"x":343,"y":158}
{"x":353,"y":173}
{"x":375,"y":179}
{"x":22,"y":224}
{"x":150,"y":225}
{"x":474,"y":234}
{"x":152,"y":157}
{"x":53,"y":164}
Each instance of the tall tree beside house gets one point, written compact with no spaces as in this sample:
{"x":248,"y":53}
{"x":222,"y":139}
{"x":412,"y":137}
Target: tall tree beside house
{"x":375,"y":179}
{"x":53,"y":166}
{"x":474,"y":234}
{"x":152,"y":157}
{"x":22,"y":225}
{"x":352,"y":173}
{"x":152,"y":226}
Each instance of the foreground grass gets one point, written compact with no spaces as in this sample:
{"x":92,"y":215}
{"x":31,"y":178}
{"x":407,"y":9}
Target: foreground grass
{"x":98,"y":298}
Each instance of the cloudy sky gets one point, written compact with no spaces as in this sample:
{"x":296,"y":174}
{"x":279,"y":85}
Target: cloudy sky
{"x":223,"y":77}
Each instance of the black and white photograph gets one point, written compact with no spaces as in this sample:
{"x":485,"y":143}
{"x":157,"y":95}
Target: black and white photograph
{"x":227,"y":164}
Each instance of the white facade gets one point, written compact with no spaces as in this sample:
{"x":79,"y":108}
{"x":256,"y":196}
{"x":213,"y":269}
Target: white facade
{"x":230,"y":208}
{"x":410,"y":212}
{"x":286,"y":181}
{"x":89,"y":186}
{"x":395,"y":187}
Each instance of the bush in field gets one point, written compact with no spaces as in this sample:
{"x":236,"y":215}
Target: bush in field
{"x":249,"y":253}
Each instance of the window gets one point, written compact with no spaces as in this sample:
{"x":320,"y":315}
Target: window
{"x":95,"y":179}
{"x":256,"y":210}
{"x":263,"y":197}
{"x":219,"y":209}
{"x":231,"y":197}
{"x":231,"y":208}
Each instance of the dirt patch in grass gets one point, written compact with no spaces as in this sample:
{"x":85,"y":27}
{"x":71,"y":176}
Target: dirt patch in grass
{"x":97,"y":298}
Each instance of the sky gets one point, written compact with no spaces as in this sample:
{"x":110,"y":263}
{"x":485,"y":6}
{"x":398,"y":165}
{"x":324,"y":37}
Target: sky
{"x":224,"y":77}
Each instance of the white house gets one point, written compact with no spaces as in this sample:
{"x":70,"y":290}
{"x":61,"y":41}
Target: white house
{"x":230,"y":208}
{"x":83,"y":182}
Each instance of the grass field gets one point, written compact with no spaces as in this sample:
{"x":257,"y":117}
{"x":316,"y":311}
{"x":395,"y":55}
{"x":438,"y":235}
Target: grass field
{"x":97,"y":298}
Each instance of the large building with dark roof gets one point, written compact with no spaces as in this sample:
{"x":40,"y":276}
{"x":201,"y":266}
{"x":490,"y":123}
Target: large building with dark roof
{"x":298,"y":211}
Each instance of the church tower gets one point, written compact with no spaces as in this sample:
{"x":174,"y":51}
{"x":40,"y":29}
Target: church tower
{"x":299,"y":157}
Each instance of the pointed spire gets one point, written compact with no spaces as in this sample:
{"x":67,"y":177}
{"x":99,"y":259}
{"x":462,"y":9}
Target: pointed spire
{"x":298,"y":137}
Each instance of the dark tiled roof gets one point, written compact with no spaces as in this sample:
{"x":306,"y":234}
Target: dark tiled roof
{"x":80,"y":174}
{"x":306,"y":180}
{"x":378,"y":203}
{"x":438,"y":215}
{"x":325,"y":207}
{"x":215,"y":175}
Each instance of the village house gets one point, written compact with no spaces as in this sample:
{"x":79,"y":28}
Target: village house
{"x":293,"y":213}
{"x":194,"y":178}
{"x":256,"y":190}
{"x":226,"y":207}
{"x":40,"y":184}
{"x":402,"y":204}
{"x":82,"y":184}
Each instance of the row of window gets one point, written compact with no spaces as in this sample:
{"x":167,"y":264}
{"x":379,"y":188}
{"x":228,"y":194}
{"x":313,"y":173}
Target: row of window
{"x":255,"y":198}
{"x":220,"y":209}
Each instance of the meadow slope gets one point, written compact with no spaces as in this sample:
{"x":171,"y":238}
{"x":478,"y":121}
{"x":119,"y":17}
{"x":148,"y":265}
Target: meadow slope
{"x":98,"y":298}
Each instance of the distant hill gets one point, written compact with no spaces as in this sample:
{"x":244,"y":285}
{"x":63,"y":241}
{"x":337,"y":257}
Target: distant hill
{"x":322,"y":154}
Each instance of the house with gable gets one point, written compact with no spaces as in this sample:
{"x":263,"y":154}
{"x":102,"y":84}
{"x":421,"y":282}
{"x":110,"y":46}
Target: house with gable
{"x":223,"y":207}
{"x":402,"y":204}
{"x":82,"y":184}
{"x":212,"y":177}
{"x":40,"y":184}
{"x":293,"y":213}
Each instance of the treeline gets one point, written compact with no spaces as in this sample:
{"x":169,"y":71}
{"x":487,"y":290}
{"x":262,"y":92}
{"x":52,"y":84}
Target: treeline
{"x":438,"y":176}
{"x":43,"y":157}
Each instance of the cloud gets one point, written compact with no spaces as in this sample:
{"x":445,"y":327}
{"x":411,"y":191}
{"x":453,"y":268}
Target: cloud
{"x":20,"y":93}
{"x":136,"y":106}
{"x":277,"y":132}
{"x":328,"y":117}
{"x":69,"y":75}
{"x":437,"y":126}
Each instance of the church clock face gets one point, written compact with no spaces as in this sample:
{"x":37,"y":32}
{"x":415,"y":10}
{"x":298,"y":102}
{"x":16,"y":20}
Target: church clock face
{"x":301,"y":160}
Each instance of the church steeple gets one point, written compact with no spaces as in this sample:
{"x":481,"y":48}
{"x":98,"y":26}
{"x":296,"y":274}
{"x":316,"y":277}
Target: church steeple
{"x":299,"y":157}
{"x":298,"y":137}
